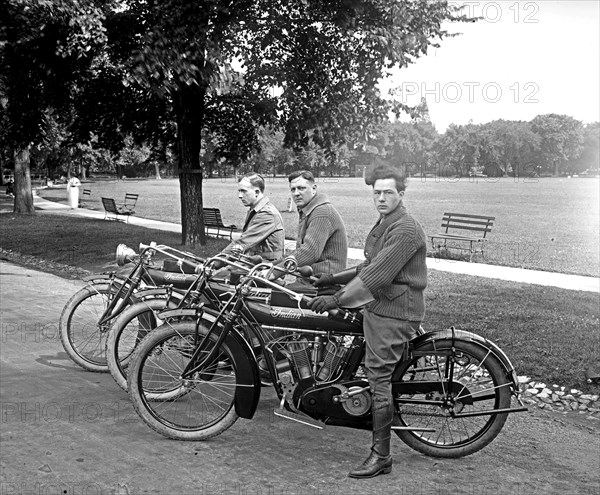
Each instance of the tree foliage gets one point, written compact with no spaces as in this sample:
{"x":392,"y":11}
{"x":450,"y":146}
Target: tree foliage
{"x":561,"y":139}
{"x":310,"y":65}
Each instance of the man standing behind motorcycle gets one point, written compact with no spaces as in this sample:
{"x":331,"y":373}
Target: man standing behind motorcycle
{"x":393,"y":278}
{"x":321,"y":242}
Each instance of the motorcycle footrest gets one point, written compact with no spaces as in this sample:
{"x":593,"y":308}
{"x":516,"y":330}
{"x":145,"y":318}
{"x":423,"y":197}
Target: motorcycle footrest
{"x":305,"y":420}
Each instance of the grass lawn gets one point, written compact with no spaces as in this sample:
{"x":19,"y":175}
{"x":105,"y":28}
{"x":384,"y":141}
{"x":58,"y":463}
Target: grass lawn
{"x":86,"y":243}
{"x":549,"y":334}
{"x":543,"y":224}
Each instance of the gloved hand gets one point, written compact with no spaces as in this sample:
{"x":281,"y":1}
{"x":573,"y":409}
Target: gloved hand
{"x":324,"y":280}
{"x":217,"y":265}
{"x":321,"y":304}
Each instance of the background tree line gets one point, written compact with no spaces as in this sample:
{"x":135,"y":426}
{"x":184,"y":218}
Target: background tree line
{"x":549,"y":145}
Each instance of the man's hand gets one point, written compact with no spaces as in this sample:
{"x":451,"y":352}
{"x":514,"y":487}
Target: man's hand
{"x":324,"y":303}
{"x":324,"y":280}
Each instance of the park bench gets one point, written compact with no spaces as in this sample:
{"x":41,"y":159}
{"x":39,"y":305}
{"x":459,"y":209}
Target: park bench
{"x":85,"y":193}
{"x":214,"y":222}
{"x":477,"y":225}
{"x":114,"y":212}
{"x":130,"y":201}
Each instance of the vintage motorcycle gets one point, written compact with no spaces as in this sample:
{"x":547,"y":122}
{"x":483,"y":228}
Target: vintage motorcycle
{"x":87,"y":316}
{"x":192,"y":377}
{"x":184,"y":285}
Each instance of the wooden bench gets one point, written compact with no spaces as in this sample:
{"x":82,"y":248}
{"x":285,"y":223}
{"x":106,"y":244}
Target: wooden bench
{"x":213,"y":220}
{"x":85,"y":193}
{"x":130,"y":202}
{"x":461,"y":221}
{"x":111,"y":208}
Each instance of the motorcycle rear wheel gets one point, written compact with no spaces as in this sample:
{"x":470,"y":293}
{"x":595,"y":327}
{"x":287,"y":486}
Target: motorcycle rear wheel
{"x":83,"y":339}
{"x":480,"y":384}
{"x":193,"y":409}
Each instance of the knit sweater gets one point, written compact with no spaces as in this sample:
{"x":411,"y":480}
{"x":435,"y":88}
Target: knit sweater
{"x":321,"y":242}
{"x":395,"y":269}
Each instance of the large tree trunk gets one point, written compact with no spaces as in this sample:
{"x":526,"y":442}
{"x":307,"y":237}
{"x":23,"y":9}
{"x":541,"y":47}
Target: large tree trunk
{"x":189,"y":109}
{"x":157,"y":170}
{"x":23,"y":193}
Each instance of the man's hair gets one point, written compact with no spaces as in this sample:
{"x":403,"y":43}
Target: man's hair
{"x":256,"y":180}
{"x":305,"y":174}
{"x":386,"y":172}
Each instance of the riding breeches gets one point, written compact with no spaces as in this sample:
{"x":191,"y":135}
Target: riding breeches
{"x":385,"y":341}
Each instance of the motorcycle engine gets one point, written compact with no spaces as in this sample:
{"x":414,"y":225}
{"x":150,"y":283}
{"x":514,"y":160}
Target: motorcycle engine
{"x":344,"y":401}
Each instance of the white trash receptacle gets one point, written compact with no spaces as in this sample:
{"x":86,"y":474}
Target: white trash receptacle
{"x":73,"y":192}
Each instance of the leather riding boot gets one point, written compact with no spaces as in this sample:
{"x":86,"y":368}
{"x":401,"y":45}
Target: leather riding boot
{"x":379,"y":460}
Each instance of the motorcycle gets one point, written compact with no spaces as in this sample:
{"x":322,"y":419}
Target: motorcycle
{"x":87,"y":316}
{"x":196,"y":374}
{"x":191,"y":287}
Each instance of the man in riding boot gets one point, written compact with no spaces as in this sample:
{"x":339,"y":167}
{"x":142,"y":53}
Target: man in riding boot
{"x":392,"y":280}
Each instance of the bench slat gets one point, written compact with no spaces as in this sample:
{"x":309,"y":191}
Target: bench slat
{"x":467,"y":222}
{"x":468,"y":227}
{"x":469,"y":216}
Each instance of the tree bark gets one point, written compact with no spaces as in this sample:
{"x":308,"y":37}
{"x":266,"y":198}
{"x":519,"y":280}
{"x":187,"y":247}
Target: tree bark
{"x":189,"y":110}
{"x":23,"y":194}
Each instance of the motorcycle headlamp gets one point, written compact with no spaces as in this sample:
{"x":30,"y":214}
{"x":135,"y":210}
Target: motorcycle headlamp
{"x":125,"y":254}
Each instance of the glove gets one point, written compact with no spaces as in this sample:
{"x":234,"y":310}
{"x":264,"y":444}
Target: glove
{"x":321,"y":304}
{"x":217,"y":265}
{"x":325,"y":279}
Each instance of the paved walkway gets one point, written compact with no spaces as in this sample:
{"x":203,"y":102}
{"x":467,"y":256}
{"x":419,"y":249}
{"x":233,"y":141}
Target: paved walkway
{"x":561,"y":280}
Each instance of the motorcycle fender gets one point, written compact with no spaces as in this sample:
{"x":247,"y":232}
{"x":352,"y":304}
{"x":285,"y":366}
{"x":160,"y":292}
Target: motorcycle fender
{"x":155,"y":292}
{"x":247,"y":391}
{"x":177,"y":313}
{"x":99,"y":277}
{"x":473,"y":338}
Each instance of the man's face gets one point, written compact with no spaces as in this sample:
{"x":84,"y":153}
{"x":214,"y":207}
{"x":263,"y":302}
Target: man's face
{"x":385,"y":196}
{"x":248,"y":194}
{"x":302,"y":191}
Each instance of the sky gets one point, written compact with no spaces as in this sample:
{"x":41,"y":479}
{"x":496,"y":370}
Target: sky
{"x":522,"y":59}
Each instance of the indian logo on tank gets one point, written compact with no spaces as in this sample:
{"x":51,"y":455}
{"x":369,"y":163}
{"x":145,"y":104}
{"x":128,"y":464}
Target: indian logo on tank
{"x":175,"y":277}
{"x":291,"y":315}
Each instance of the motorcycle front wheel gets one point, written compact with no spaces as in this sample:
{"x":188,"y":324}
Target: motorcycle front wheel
{"x":127,"y":331}
{"x":195,"y":408}
{"x":461,"y":416}
{"x":82,"y":337}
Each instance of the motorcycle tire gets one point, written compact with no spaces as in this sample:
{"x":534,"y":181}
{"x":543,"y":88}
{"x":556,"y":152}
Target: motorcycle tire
{"x":82,"y":338}
{"x":480,"y":384}
{"x":126,"y":332}
{"x":191,"y":409}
